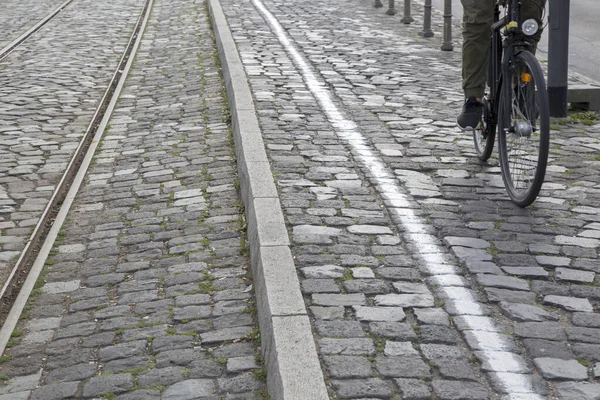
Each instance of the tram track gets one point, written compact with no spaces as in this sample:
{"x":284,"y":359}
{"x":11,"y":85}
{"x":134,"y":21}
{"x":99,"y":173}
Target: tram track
{"x":21,"y":280}
{"x":18,"y":41}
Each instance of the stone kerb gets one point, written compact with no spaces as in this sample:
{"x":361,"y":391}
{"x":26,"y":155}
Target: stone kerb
{"x":293,"y":366}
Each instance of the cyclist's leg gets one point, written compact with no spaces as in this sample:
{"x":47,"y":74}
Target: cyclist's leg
{"x":478,"y":16}
{"x":534,"y":9}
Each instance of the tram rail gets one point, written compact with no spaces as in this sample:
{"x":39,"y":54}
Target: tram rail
{"x":21,"y":280}
{"x":18,"y":41}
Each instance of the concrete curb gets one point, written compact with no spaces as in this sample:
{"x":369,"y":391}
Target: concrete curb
{"x":293,"y":368}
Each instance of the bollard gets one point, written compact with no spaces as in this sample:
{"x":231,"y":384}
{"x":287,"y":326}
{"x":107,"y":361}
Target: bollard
{"x":427,"y":32}
{"x":447,"y":41}
{"x":391,"y":8}
{"x":558,"y":57}
{"x":407,"y":19}
{"x":378,"y":4}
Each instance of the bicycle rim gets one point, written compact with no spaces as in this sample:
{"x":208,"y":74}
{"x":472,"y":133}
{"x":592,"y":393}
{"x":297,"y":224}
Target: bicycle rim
{"x":485,"y":134}
{"x":524,"y":126}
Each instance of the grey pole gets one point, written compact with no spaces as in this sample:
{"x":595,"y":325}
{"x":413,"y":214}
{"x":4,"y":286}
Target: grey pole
{"x":447,"y":43}
{"x":378,"y":4}
{"x":427,"y":32}
{"x":558,"y":57}
{"x":391,"y":8}
{"x":407,"y":19}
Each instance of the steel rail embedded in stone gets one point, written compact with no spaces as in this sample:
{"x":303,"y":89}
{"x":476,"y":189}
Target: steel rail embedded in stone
{"x":15,"y":43}
{"x":32,"y":257}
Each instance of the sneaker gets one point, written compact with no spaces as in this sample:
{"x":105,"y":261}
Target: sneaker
{"x":470,"y":117}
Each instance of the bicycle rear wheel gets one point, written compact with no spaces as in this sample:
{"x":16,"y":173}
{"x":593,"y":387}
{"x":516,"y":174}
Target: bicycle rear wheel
{"x":524,"y":129}
{"x":485,"y":134}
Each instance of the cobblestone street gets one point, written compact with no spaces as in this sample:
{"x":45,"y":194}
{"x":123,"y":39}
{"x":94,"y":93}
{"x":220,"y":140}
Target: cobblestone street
{"x":257,"y":138}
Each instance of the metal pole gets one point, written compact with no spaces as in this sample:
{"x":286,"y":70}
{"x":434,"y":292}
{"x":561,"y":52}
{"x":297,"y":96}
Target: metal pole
{"x":391,"y":8}
{"x":447,"y":42}
{"x":558,"y":57}
{"x":378,"y":4}
{"x":407,"y":19}
{"x":427,"y":32}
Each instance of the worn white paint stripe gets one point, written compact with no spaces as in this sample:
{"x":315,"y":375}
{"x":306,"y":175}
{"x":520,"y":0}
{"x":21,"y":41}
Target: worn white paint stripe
{"x":428,"y":249}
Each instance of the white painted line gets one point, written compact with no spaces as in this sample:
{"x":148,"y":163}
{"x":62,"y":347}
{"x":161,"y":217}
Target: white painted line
{"x":17,"y":308}
{"x":430,"y":252}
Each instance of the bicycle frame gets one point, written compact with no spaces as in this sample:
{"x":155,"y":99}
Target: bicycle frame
{"x":502,"y":49}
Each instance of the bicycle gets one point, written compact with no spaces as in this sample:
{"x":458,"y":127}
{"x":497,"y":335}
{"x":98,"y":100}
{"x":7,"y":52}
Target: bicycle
{"x":517,"y":104}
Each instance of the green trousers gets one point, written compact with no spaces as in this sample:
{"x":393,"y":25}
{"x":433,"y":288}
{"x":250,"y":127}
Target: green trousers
{"x":478,"y":17}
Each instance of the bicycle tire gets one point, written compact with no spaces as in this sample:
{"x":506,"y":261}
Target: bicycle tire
{"x":523,"y":129}
{"x":485,"y":135}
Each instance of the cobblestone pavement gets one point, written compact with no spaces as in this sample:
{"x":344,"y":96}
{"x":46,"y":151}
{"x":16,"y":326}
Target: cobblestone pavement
{"x":422,"y":279}
{"x":440,"y":287}
{"x":18,"y":16}
{"x":49,"y":90}
{"x":146,"y":294}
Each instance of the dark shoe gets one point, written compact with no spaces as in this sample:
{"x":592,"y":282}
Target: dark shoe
{"x":470,"y":117}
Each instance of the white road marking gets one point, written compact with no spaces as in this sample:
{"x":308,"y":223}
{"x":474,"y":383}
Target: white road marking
{"x":484,"y":337}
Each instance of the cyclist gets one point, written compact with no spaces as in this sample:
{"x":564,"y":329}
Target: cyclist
{"x":478,"y":17}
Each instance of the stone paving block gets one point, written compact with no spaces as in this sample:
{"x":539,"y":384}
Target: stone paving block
{"x":379,"y":313}
{"x":498,"y":295}
{"x":526,"y":312}
{"x":56,"y":391}
{"x":78,"y":372}
{"x":117,"y":383}
{"x":239,"y":364}
{"x":591,"y":320}
{"x":356,"y":346}
{"x":532,"y":272}
{"x":363,"y":388}
{"x":476,"y":322}
{"x":578,"y":390}
{"x":558,"y":369}
{"x":327,"y":313}
{"x":413,"y":389}
{"x":340,"y":329}
{"x":433,"y":316}
{"x":161,"y":376}
{"x":569,"y":303}
{"x":573,"y":275}
{"x":502,"y":361}
{"x":21,"y":383}
{"x":528,"y":386}
{"x":310,"y":286}
{"x":540,"y":348}
{"x":122,"y":350}
{"x":504,"y":282}
{"x":586,"y":335}
{"x":455,"y":390}
{"x":344,"y":367}
{"x":189,"y":389}
{"x":405,"y":300}
{"x":15,"y":396}
{"x":338,"y":299}
{"x":402,"y":367}
{"x":140,"y":394}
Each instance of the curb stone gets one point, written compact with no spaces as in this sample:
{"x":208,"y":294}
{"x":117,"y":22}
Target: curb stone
{"x":293,"y":368}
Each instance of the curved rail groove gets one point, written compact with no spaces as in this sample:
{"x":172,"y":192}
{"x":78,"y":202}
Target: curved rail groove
{"x":14,"y":44}
{"x":32,"y":259}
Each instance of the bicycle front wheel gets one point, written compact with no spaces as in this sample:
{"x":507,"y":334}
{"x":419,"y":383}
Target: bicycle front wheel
{"x":523,"y":129}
